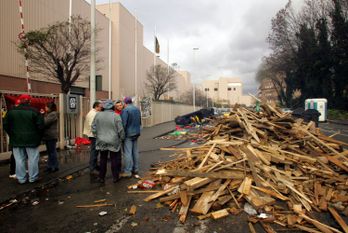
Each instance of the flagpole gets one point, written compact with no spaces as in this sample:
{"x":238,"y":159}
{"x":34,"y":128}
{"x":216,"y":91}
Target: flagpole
{"x":110,"y":54}
{"x":168,"y":64}
{"x":135,"y":58}
{"x":154,"y":48}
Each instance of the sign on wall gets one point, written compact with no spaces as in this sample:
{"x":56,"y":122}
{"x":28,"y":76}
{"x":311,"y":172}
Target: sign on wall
{"x":72,"y":104}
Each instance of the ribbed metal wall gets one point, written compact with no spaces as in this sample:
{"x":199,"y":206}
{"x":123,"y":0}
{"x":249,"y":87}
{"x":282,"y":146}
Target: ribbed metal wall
{"x":38,"y":14}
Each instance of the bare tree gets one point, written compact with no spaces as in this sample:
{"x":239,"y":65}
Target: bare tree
{"x":160,"y":80}
{"x":276,"y":77}
{"x":201,"y":98}
{"x":60,"y":51}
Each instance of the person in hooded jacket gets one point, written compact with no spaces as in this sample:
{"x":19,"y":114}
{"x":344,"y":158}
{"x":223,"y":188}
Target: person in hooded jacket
{"x":50,"y":136}
{"x":108,"y":131}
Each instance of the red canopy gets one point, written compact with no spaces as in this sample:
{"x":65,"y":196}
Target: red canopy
{"x":36,"y":102}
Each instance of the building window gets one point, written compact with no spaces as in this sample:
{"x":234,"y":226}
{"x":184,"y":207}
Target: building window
{"x":206,"y":89}
{"x":98,"y":83}
{"x":229,"y":88}
{"x":215,"y":89}
{"x":234,"y":88}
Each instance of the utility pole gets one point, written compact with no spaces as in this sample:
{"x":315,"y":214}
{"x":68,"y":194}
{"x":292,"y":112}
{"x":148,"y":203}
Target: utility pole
{"x":92,"y":68}
{"x":193,"y":84}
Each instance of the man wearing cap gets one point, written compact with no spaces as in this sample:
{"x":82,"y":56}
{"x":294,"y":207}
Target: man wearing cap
{"x":87,"y":130}
{"x":24,"y":125}
{"x":131,"y":120}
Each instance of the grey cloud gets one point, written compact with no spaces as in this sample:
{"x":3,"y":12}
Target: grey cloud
{"x":230,"y":34}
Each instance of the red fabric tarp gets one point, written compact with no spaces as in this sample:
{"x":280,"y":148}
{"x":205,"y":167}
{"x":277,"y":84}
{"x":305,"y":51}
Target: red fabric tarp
{"x":36,"y":102}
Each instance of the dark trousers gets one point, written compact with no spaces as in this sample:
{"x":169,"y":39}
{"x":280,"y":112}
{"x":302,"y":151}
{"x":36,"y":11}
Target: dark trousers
{"x":115,"y":158}
{"x":52,"y":162}
{"x":93,"y":159}
{"x":12,"y":164}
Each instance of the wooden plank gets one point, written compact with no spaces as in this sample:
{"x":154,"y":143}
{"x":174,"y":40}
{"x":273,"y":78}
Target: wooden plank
{"x":230,"y":164}
{"x":196,"y":182}
{"x":207,"y":156}
{"x":142,"y":191}
{"x":133,"y":210}
{"x":220,"y":214}
{"x":291,"y":186}
{"x":245,"y":186}
{"x":339,"y":219}
{"x":184,"y":210}
{"x":160,"y":193}
{"x":267,"y":228}
{"x":224,"y":199}
{"x":270,"y":192}
{"x":219,"y":191}
{"x":258,"y":154}
{"x":313,"y":221}
{"x":170,"y":198}
{"x":337,"y":162}
{"x":319,"y":141}
{"x":258,"y":201}
{"x":203,"y":205}
{"x":307,"y":229}
{"x":251,"y":227}
{"x":93,"y":206}
{"x":234,"y":198}
{"x":184,"y":198}
{"x":213,"y":175}
{"x":251,"y":160}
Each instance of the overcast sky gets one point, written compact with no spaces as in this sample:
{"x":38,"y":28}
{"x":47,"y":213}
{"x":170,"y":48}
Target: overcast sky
{"x":230,"y":34}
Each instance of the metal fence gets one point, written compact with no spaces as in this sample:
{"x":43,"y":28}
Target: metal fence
{"x":164,"y":112}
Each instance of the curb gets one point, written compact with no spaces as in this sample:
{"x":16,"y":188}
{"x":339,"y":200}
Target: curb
{"x":338,"y":122}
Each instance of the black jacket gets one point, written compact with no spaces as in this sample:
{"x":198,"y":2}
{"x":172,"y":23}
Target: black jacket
{"x":51,"y":126}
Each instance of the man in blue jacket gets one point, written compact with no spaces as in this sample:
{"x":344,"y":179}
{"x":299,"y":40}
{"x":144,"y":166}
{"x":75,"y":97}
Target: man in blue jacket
{"x":131,"y":120}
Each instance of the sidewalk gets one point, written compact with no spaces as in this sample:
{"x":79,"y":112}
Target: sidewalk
{"x":72,"y":161}
{"x":338,"y":122}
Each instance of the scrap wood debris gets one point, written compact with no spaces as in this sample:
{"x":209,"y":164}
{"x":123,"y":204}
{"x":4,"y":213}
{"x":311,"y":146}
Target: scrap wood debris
{"x":280,"y":168}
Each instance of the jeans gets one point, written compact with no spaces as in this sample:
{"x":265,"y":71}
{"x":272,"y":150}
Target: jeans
{"x":93,"y":159}
{"x":52,"y":162}
{"x":115,"y":158}
{"x":131,"y":155}
{"x":20,"y":154}
{"x":12,"y":164}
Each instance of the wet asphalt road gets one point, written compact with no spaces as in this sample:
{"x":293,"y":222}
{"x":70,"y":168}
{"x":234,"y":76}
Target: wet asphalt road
{"x":56,"y":209}
{"x":330,"y":129}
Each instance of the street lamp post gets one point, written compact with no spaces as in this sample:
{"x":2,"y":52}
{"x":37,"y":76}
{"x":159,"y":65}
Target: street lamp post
{"x":206,"y":95}
{"x":93,"y":53}
{"x":193,"y":84}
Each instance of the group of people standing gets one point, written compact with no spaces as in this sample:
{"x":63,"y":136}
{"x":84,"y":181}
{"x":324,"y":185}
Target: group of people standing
{"x":27,"y":128}
{"x":114,"y":128}
{"x":111,"y":127}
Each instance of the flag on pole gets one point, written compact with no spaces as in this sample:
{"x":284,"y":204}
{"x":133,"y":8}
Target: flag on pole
{"x":157,"y":45}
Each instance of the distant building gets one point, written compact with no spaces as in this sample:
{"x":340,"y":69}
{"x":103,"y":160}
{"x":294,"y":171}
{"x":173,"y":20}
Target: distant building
{"x":183,"y":85}
{"x":268,"y":91}
{"x":226,"y":91}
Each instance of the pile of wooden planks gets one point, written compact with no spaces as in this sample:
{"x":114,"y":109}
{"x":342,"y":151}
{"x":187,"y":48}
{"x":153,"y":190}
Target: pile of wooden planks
{"x":282,"y":167}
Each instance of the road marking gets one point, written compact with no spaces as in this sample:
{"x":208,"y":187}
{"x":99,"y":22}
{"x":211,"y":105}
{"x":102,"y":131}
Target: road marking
{"x":116,"y":227}
{"x":333,"y":131}
{"x":179,"y":228}
{"x":202,"y":227}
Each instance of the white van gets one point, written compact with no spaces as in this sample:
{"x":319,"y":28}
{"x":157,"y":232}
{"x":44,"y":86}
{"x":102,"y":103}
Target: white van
{"x":318,"y":104}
